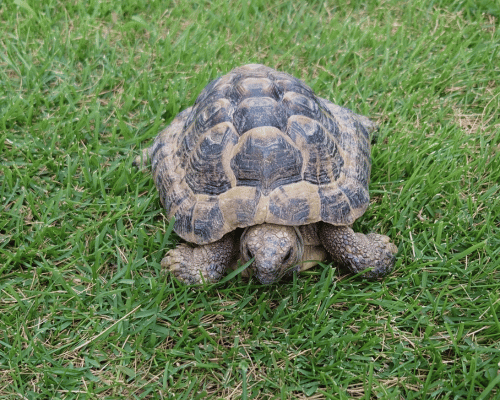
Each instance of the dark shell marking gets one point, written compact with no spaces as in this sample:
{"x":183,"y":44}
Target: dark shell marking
{"x":258,"y":147}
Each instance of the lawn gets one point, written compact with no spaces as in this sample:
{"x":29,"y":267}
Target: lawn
{"x":86,"y":312}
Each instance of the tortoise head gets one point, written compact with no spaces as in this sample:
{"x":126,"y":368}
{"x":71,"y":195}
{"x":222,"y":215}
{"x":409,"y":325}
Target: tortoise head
{"x":276,"y":249}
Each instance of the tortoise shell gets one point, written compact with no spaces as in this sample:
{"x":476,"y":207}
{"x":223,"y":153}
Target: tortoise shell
{"x":259,"y":146}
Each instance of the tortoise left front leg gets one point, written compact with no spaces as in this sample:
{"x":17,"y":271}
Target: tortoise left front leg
{"x":357,"y":251}
{"x":194,"y":265}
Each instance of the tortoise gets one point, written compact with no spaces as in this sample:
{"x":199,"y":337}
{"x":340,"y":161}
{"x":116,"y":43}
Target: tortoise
{"x":261,"y":168}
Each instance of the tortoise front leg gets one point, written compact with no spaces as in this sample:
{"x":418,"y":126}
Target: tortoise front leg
{"x":193,"y":265}
{"x":357,"y":251}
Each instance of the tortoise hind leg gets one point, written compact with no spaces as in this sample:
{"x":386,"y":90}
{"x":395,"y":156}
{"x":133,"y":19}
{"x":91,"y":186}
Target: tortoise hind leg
{"x":357,"y":251}
{"x":204,"y":263}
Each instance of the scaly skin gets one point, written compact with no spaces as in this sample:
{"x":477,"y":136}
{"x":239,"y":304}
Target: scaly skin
{"x":357,"y":251}
{"x":194,"y":265}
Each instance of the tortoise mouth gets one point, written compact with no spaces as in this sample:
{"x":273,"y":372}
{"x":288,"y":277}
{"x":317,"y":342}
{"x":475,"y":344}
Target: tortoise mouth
{"x":268,"y":279}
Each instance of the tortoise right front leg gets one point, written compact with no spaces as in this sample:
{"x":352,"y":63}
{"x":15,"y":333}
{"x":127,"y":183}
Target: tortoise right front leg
{"x":194,"y":265}
{"x":357,"y":251}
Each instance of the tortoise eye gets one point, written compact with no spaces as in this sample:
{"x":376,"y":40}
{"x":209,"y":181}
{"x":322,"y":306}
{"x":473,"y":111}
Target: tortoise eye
{"x":248,"y":254}
{"x":288,"y":255}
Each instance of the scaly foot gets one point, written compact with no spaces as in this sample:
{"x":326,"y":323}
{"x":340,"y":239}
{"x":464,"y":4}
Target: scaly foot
{"x":205,"y":263}
{"x":357,"y":251}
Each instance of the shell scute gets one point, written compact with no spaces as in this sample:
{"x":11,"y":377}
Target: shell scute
{"x":298,"y":104}
{"x":255,"y":112}
{"x":205,"y":171}
{"x":254,"y":87}
{"x":335,"y":205}
{"x":209,"y":218}
{"x":295,"y":210}
{"x":266,"y":160}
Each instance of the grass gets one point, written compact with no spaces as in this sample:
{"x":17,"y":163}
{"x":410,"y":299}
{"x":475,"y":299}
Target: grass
{"x":85,"y":309}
